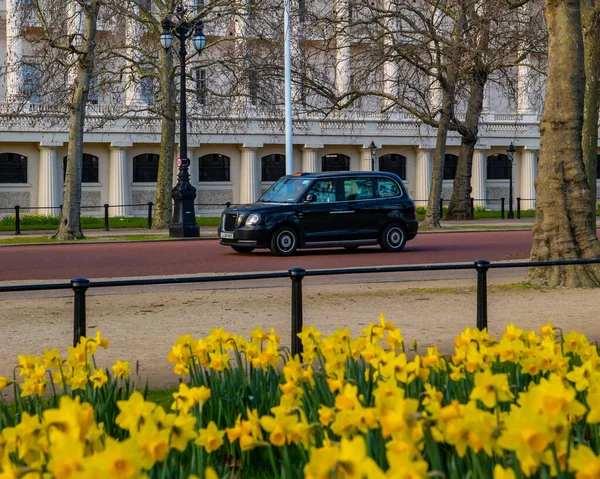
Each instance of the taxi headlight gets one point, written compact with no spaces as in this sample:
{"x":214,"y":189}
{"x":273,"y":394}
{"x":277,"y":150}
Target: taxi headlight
{"x":253,"y":219}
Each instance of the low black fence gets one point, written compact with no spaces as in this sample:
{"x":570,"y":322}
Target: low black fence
{"x":297,"y":275}
{"x":106,"y":207}
{"x":502,"y":202}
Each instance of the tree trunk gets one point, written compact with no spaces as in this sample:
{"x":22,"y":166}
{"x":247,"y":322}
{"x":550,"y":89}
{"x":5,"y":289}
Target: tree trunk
{"x":565,"y":223}
{"x":164,"y":182}
{"x":448,"y":86}
{"x":460,"y":202}
{"x":70,"y":226}
{"x":590,"y":19}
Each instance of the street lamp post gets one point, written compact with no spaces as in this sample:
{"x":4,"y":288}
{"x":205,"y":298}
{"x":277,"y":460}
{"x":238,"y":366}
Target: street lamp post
{"x":183,"y":223}
{"x":511,"y":151}
{"x":372,"y":150}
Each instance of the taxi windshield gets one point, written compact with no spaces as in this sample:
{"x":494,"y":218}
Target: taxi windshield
{"x":285,"y":190}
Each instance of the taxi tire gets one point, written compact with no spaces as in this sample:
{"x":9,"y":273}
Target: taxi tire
{"x":284,"y":241}
{"x":393,"y":238}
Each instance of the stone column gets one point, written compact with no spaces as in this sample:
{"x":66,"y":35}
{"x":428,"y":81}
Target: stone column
{"x":14,"y":51}
{"x":133,"y":89}
{"x":342,"y":52}
{"x":50,"y":181}
{"x":524,"y":88}
{"x":119,"y":187}
{"x":75,"y":26}
{"x":527,"y":175}
{"x":423,"y":171}
{"x":249,"y":176}
{"x":479,"y":179}
{"x":365,"y":160}
{"x":310,"y":160}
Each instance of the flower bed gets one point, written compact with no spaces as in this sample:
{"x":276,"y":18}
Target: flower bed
{"x":523,"y":405}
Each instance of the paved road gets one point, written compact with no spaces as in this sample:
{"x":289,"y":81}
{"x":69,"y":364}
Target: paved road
{"x":119,"y":260}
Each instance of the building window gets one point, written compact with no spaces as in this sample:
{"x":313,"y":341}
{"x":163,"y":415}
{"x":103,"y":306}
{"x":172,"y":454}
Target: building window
{"x":200,"y":85}
{"x":146,"y":87}
{"x":253,"y":87}
{"x":214,"y":167}
{"x":598,"y":167}
{"x":92,"y":97}
{"x":302,"y":10}
{"x":145,"y":168}
{"x":89,"y":172}
{"x":498,"y":167}
{"x":450,"y":164}
{"x":273,"y":167}
{"x":13,"y":168}
{"x":335,"y":162}
{"x":393,"y":164}
{"x":31,"y":80}
{"x":199,"y":5}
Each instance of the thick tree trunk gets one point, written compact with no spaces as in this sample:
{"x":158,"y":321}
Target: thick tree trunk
{"x":70,"y":225}
{"x":565,"y":223}
{"x":164,"y":182}
{"x":590,"y":19}
{"x":460,"y":202}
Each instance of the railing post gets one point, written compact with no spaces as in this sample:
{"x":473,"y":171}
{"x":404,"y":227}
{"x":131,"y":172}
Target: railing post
{"x":17,"y":220}
{"x":150,"y":214}
{"x":106,"y":217}
{"x":472,"y":208}
{"x":482,"y":266}
{"x":502,"y":208}
{"x":297,"y":275}
{"x":518,"y":208}
{"x":441,"y":207}
{"x":80,"y":286}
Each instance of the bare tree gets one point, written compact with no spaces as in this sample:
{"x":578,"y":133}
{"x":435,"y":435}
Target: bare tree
{"x":64,"y":43}
{"x":565,"y":224}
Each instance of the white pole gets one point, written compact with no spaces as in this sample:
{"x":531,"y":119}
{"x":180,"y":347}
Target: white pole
{"x":289,"y":150}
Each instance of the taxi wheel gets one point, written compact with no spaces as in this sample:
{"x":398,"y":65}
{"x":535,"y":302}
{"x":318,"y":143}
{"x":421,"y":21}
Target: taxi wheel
{"x":393,"y":238}
{"x":284,"y":241}
{"x":243,"y":249}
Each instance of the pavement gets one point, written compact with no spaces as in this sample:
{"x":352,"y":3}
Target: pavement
{"x":210,"y":232}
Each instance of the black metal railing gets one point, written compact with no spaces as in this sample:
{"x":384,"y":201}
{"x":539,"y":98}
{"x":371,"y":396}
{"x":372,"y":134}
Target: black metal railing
{"x":18,"y":211}
{"x":297,"y":275}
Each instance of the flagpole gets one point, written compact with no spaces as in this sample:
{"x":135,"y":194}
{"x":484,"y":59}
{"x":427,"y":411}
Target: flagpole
{"x":289,"y":150}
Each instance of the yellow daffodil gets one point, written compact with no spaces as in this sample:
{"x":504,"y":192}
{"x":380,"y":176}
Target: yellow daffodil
{"x":211,"y":438}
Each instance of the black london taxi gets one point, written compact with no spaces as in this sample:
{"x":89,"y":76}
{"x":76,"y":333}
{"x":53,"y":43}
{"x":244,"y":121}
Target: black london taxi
{"x":316,"y":210}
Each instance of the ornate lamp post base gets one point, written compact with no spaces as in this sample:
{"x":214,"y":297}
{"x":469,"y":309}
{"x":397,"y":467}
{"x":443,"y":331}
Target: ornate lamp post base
{"x":183,"y":224}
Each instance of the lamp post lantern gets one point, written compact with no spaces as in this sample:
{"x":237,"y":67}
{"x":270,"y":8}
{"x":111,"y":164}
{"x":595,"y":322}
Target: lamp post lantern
{"x":511,"y":151}
{"x":372,"y":150}
{"x":183,"y":223}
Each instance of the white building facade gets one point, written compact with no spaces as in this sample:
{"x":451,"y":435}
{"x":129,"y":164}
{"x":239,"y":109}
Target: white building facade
{"x":236,"y":156}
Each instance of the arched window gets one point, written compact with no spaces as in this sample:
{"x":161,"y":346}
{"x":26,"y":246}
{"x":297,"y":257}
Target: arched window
{"x":393,"y":163}
{"x":89,"y":172}
{"x":13,"y":168}
{"x":272,"y":167}
{"x":498,"y":167}
{"x":214,"y":167}
{"x":335,"y":162}
{"x":145,"y":168}
{"x":450,"y":164}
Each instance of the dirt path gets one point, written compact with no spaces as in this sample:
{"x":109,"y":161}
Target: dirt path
{"x":143,"y":326}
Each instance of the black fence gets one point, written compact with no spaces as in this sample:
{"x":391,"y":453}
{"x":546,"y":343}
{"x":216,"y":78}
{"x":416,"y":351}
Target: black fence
{"x":81,"y":285}
{"x":106,"y":207}
{"x":501,"y":203}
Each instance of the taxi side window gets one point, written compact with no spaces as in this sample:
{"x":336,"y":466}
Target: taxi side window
{"x":387,"y":188}
{"x":323,"y":190}
{"x":358,"y":189}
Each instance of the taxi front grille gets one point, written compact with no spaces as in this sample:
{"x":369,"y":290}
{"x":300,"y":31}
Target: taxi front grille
{"x":229,"y":223}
